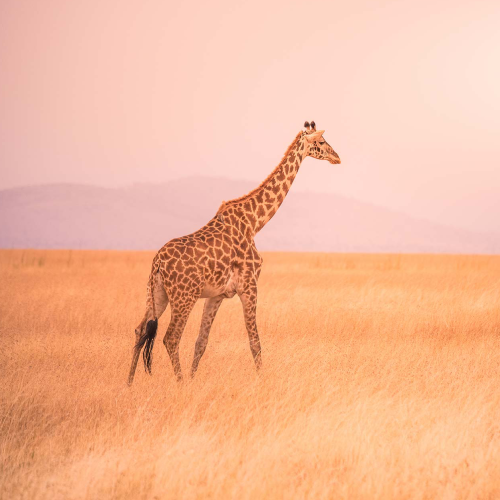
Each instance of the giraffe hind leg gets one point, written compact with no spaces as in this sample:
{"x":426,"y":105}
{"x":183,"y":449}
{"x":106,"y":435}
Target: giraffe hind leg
{"x":209,"y":311}
{"x":180,"y":314}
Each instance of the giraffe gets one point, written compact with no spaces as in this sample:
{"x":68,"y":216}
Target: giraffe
{"x":219,"y":261}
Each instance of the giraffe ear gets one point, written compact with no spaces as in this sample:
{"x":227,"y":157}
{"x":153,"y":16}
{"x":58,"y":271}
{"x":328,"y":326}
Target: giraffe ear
{"x":314,"y":136}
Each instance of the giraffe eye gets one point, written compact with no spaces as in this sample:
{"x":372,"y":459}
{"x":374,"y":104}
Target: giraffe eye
{"x":322,"y":142}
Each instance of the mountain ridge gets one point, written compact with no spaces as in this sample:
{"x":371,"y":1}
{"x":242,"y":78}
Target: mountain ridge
{"x":145,"y":216}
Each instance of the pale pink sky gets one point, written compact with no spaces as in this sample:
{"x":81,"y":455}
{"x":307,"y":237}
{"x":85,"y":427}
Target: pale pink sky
{"x":116,"y":92}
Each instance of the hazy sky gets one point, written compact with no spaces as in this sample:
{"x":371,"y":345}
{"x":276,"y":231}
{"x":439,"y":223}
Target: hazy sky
{"x":118,"y":92}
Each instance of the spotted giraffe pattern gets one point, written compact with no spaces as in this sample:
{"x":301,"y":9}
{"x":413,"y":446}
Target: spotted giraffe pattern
{"x":221,"y":259}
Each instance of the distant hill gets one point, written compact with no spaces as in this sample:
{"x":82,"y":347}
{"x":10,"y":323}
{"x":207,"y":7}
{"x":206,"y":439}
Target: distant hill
{"x":147,"y":216}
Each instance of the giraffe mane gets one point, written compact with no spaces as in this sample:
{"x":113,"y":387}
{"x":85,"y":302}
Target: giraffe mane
{"x":222,"y":206}
{"x":225,"y":204}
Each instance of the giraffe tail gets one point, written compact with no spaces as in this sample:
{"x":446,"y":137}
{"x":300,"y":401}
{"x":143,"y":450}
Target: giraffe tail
{"x":148,"y":339}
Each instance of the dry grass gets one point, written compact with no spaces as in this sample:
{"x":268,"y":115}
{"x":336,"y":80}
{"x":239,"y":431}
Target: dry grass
{"x":381,"y":380}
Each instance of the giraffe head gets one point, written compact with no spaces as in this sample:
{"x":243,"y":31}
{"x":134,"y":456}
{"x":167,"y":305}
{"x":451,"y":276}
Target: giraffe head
{"x":316,"y":146}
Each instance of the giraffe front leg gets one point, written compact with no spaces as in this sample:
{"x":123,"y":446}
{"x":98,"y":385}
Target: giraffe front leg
{"x":209,"y":311}
{"x":249,"y":300}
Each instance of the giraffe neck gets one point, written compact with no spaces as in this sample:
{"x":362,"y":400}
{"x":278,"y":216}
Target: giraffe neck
{"x":268,"y":197}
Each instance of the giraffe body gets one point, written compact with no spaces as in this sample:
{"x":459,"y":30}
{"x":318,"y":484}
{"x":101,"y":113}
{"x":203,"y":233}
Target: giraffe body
{"x":220,"y":260}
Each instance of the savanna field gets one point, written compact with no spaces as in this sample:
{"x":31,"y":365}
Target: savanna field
{"x":380,"y":379}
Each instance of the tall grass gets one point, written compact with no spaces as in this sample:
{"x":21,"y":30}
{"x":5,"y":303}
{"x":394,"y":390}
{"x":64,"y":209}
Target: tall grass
{"x":381,"y":380}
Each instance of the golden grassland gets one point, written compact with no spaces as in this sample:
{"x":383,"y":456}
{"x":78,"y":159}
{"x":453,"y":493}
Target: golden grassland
{"x":381,"y":379}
